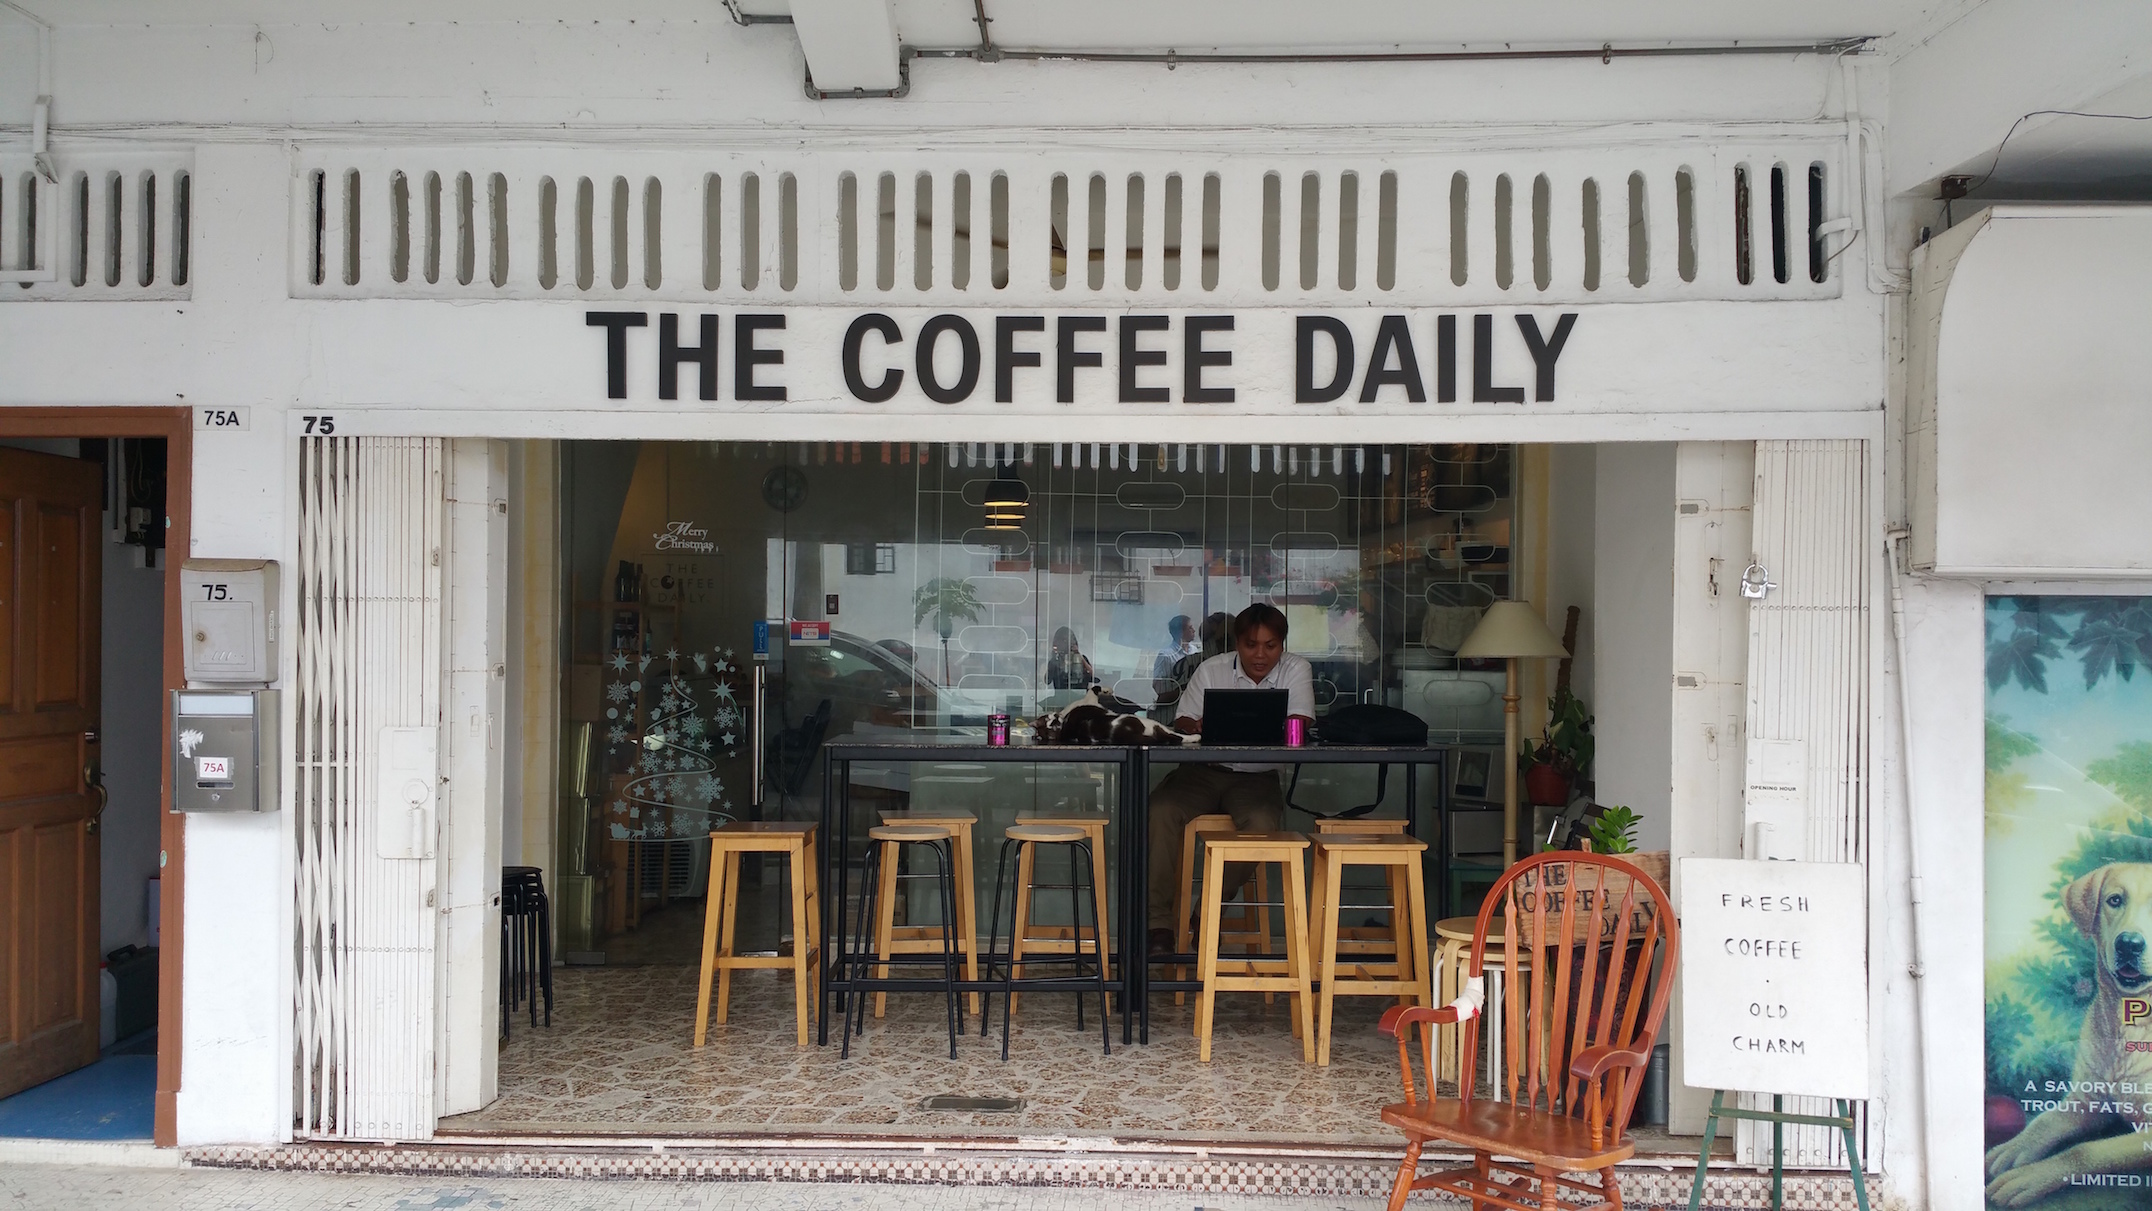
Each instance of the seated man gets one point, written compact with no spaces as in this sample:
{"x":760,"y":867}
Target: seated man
{"x":1250,"y":794}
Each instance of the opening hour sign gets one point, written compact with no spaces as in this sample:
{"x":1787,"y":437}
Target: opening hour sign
{"x":1774,"y":976}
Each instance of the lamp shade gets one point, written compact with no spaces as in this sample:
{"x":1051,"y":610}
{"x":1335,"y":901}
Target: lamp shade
{"x":1511,"y":629}
{"x":1006,"y":497}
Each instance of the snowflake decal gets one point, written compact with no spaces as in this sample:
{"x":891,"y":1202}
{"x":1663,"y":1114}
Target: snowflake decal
{"x":617,"y":692}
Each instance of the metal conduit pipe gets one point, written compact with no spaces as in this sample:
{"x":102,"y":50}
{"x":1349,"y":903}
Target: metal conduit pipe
{"x":1605,"y":53}
{"x":1894,"y":539}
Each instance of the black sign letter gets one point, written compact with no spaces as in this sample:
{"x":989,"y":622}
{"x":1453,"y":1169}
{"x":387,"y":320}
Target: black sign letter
{"x":1483,"y":389}
{"x":1305,"y":390}
{"x":854,"y":336}
{"x":616,"y":325}
{"x":923,"y":351}
{"x":670,"y":355}
{"x":1067,"y":357}
{"x":1393,"y":335}
{"x":1545,"y":351}
{"x":1007,"y":357}
{"x":1194,"y":357}
{"x":1445,"y":359}
{"x":745,"y":357}
{"x":1132,"y":327}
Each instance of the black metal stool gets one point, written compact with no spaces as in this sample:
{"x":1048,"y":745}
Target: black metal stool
{"x":864,"y":968}
{"x":1082,"y":895}
{"x":526,"y":935}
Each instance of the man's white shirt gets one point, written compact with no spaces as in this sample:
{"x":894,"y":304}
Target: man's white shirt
{"x":1292,"y":673}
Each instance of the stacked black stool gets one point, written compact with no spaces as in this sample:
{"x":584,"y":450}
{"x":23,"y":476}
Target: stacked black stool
{"x":526,"y":944}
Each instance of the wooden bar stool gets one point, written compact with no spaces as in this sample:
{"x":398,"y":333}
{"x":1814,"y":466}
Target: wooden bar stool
{"x":886,"y":844}
{"x":721,"y":912}
{"x":1023,"y":839}
{"x":1249,"y":922}
{"x":1369,"y":939}
{"x":1289,"y":852}
{"x":891,"y":938}
{"x":1404,"y":973}
{"x":1032,"y":937}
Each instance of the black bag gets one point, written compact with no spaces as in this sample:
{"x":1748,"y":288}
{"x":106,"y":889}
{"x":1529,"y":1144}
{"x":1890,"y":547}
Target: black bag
{"x":1364,"y":723}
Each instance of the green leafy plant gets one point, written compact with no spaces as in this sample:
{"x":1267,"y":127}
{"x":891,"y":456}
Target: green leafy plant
{"x":1568,"y":745}
{"x":1613,"y":831}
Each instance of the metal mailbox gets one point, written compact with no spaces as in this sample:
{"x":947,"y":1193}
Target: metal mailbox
{"x":224,"y":750}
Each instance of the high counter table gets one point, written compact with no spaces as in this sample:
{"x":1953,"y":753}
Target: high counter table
{"x":1135,"y":848}
{"x":1133,"y":818}
{"x":837,"y":834}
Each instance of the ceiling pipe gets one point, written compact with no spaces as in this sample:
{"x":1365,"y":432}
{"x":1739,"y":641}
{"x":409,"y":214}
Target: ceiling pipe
{"x":986,"y":51}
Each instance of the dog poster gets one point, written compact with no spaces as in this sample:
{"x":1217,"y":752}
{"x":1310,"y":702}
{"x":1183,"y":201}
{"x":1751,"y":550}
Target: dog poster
{"x":2069,"y":903}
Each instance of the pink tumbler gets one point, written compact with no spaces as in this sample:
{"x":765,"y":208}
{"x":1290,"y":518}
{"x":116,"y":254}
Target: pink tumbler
{"x":1296,"y":731}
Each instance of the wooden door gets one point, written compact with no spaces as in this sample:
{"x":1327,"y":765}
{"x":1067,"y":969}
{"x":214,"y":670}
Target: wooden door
{"x":50,"y":565}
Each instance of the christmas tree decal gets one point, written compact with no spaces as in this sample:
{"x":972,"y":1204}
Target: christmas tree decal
{"x":670,"y":729}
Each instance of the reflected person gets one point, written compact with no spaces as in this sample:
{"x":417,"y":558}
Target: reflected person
{"x":1067,"y":668}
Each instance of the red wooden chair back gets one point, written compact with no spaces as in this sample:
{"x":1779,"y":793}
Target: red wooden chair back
{"x":1600,"y":943}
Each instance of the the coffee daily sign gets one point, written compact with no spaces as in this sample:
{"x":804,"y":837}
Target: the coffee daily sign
{"x":920,"y":358}
{"x":1774,"y":976}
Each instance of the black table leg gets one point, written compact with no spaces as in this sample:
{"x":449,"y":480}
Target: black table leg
{"x":1139,"y":790}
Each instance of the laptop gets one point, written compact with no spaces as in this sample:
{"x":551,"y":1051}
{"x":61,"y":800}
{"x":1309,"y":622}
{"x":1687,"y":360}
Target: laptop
{"x":1244,"y":717}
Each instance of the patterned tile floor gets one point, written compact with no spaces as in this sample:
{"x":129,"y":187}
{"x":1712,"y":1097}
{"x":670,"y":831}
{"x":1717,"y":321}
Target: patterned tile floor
{"x":618,"y":1059}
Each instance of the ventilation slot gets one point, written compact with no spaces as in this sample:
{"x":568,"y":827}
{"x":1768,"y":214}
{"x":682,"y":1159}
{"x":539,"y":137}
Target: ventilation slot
{"x":1590,"y":203}
{"x":788,"y":232}
{"x":586,"y":234}
{"x":1386,"y":232}
{"x":1169,"y":249}
{"x":1685,"y":224}
{"x":1311,"y":219}
{"x":115,"y":207}
{"x":923,"y":231}
{"x":885,"y":232}
{"x":1818,"y":264}
{"x":1272,"y":188}
{"x":316,"y":229}
{"x":998,"y":232}
{"x":1057,"y":219}
{"x":960,"y":232}
{"x":1132,"y":243}
{"x":497,"y":230}
{"x":1505,"y":265}
{"x":1779,"y":268}
{"x":80,"y":273}
{"x":1639,"y":233}
{"x":433,"y":227}
{"x":1211,"y":210}
{"x":466,"y":233}
{"x":1095,"y":233}
{"x":617,"y":225}
{"x":548,"y":234}
{"x":146,"y":237}
{"x":751,"y":231}
{"x":400,"y":226}
{"x":653,"y":234}
{"x":1542,"y":223}
{"x":1744,"y":266}
{"x":182,"y":227}
{"x":1460,"y":227}
{"x":847,"y":231}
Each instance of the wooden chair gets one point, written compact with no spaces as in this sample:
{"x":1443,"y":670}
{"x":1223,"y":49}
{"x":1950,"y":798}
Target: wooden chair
{"x":1292,"y":975}
{"x":1364,"y":970}
{"x":1377,"y":938}
{"x":1576,"y":1038}
{"x":891,"y":938}
{"x":1245,"y":924}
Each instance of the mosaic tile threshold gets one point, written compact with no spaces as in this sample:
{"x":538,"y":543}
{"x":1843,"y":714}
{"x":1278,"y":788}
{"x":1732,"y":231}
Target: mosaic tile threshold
{"x":1643,"y":1186}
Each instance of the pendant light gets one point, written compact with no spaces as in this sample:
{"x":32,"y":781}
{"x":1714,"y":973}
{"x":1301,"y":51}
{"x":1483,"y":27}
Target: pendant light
{"x":1006,"y":497}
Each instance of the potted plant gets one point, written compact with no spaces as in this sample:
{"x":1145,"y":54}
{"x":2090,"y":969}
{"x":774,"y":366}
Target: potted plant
{"x":1563,"y":755}
{"x":1612,"y":830}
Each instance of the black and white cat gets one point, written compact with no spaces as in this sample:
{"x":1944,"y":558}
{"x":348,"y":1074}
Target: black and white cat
{"x":1100,"y":718}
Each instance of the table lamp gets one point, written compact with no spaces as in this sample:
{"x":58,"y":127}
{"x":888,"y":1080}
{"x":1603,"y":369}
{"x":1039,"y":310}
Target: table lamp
{"x":1510,"y":631}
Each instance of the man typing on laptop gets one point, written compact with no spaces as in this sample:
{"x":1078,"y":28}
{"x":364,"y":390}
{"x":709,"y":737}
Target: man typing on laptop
{"x":1250,"y":794}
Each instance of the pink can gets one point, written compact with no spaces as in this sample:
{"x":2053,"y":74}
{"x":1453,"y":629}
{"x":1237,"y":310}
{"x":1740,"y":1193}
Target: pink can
{"x":1296,"y":731}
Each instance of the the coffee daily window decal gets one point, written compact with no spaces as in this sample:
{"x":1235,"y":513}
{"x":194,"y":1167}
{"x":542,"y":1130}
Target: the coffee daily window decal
{"x":2069,"y":902}
{"x":980,"y":357}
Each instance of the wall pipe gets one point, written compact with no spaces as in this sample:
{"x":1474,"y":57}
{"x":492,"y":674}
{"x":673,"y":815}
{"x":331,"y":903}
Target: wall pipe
{"x":1895,"y":538}
{"x":1605,"y":53}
